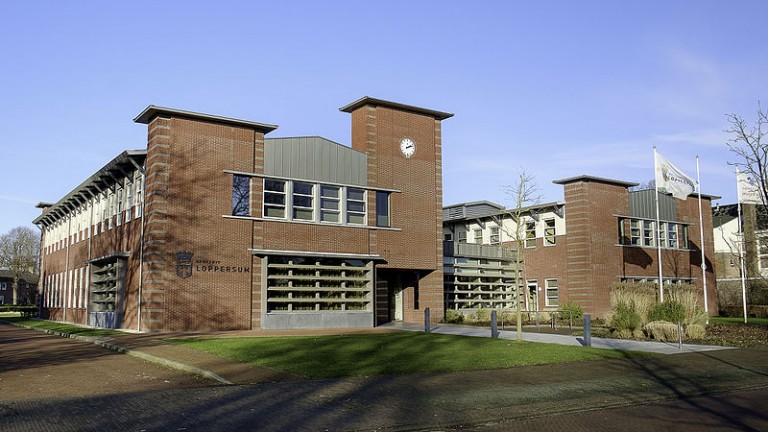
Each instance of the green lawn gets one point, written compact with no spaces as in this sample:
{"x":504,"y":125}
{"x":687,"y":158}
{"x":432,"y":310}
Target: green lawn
{"x":57,"y":327}
{"x":391,"y":353}
{"x":759,"y":322}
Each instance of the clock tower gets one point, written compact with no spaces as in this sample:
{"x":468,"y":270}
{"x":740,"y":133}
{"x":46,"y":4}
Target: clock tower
{"x":403,"y":144}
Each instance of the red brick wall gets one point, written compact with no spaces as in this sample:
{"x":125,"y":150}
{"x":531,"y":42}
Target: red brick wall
{"x":190,"y":208}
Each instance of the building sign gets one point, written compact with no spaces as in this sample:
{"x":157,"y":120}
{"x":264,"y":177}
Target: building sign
{"x":185,"y":266}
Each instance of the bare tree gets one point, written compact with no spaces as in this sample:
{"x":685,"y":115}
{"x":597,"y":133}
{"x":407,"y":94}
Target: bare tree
{"x":19,"y":253}
{"x":522,"y":193}
{"x":750,"y":144}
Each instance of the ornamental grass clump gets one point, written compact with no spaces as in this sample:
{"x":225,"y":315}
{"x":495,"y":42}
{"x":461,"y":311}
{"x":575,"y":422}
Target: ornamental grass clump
{"x":626,"y":321}
{"x":661,"y":330}
{"x":670,"y":311}
{"x":641,"y":295}
{"x":687,"y":295}
{"x":695,"y":331}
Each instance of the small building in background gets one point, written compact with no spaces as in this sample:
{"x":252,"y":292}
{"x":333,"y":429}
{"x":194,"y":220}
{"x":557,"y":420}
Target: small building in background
{"x":573,"y":250}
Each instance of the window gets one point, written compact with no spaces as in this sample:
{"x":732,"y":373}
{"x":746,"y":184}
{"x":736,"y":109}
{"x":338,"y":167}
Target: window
{"x":552,"y":294}
{"x":549,"y":232}
{"x":111,"y":213}
{"x":382,"y":209}
{"x":530,"y":234}
{"x":274,"y":198}
{"x":762,"y":250}
{"x":329,"y":204}
{"x":303,"y":199}
{"x":3,"y":286}
{"x":448,"y":237}
{"x":478,"y":236}
{"x":129,"y":199}
{"x":648,"y":239}
{"x":139,"y":192}
{"x":119,"y":209}
{"x":495,"y":236}
{"x":356,"y":206}
{"x":461,"y":236}
{"x":241,"y":195}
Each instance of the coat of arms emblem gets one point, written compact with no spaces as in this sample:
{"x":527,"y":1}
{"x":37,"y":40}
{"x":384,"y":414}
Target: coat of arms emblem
{"x":184,"y":264}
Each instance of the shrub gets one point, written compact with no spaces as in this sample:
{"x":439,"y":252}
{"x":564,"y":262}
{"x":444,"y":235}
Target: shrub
{"x":626,"y":318}
{"x":642,"y":295}
{"x":575,"y":310}
{"x":670,"y":311}
{"x":483,"y":315}
{"x":453,"y":316}
{"x":695,"y":331}
{"x":662,"y":330}
{"x":688,"y":296}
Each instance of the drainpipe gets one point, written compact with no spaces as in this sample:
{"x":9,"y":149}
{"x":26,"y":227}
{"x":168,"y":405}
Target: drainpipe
{"x":66,"y":266}
{"x":141,"y":247}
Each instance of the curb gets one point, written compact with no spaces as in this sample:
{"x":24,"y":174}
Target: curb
{"x":134,"y":353}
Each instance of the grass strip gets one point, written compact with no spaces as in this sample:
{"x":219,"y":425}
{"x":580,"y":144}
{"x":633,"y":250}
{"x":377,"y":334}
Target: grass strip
{"x":60,"y":327}
{"x":392,"y":353}
{"x":756,"y":322}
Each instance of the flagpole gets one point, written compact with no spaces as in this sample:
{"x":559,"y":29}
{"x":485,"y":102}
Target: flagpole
{"x":701,"y":231}
{"x":656,"y":228}
{"x":741,"y":249}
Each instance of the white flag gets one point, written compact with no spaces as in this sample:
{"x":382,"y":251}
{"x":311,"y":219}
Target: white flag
{"x":748,"y":188}
{"x":672,"y":180}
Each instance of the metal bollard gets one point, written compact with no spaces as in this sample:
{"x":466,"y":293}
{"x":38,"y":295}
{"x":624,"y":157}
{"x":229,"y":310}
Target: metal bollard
{"x":587,"y":330}
{"x":494,"y":325}
{"x":679,"y":336}
{"x":427,"y":326}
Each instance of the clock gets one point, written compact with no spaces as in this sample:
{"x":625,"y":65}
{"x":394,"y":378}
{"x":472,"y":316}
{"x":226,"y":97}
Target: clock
{"x":408,"y":147}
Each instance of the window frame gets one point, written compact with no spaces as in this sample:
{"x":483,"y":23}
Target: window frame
{"x":277,"y":193}
{"x":349,"y":213}
{"x":549,"y":288}
{"x":241,"y":195}
{"x":550,"y":232}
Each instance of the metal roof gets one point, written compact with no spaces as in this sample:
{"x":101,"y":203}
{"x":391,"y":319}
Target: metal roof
{"x":105,"y":178}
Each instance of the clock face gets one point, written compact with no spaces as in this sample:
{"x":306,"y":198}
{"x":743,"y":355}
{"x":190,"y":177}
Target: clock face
{"x":408,"y":147}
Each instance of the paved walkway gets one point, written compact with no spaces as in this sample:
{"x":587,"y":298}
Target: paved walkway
{"x":607,"y":343}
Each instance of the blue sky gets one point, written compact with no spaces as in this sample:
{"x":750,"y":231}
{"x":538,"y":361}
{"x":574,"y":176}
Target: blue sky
{"x":561,"y":88}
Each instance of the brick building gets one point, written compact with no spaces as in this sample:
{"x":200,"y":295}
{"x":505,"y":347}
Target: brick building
{"x":215,"y":226}
{"x":27,"y":287}
{"x":574,"y":249}
{"x":729,"y":241}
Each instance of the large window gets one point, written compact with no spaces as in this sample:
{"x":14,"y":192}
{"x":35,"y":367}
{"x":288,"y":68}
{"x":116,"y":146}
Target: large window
{"x":241,"y":195}
{"x":382,"y":209}
{"x":274,"y":198}
{"x":642,"y":232}
{"x":552,"y":292}
{"x":319,"y":203}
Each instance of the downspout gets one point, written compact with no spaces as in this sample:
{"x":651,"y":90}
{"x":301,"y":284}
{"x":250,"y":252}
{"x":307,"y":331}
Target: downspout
{"x":40,"y":277}
{"x":88,"y":269}
{"x":141,"y":247}
{"x":66,"y":266}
